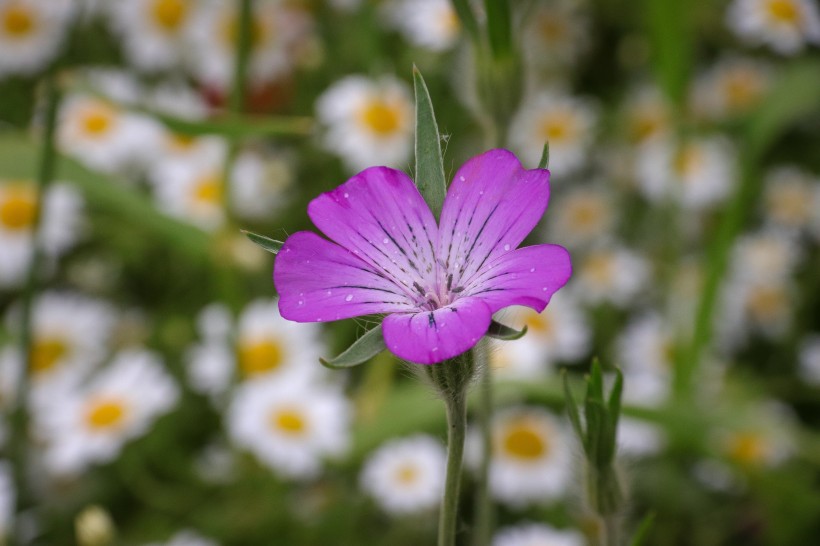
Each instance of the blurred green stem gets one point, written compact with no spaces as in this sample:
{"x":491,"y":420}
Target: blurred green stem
{"x":484,"y":515}
{"x":19,"y":442}
{"x":610,"y":530}
{"x":456,"y":430}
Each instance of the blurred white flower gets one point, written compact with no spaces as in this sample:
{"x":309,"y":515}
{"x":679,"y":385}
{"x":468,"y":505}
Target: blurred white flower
{"x":60,"y":225}
{"x":766,"y":256}
{"x":611,"y":274}
{"x":406,"y":476}
{"x":763,"y":306}
{"x":90,"y":424}
{"x":567,"y":122}
{"x":70,"y":335}
{"x":555,"y":34}
{"x":582,"y":216}
{"x":646,"y":347}
{"x":809,"y":360}
{"x":154,"y":32}
{"x":784,"y":25}
{"x":186,"y":538}
{"x":697,"y":173}
{"x":31,"y":33}
{"x":104,"y":136}
{"x":792,"y":198}
{"x":7,"y":500}
{"x":431,"y":24}
{"x":537,"y":534}
{"x":647,"y":115}
{"x":290,"y":425}
{"x":732,"y":87}
{"x":559,"y":334}
{"x":369,"y":122}
{"x":638,"y":438}
{"x":762,"y":437}
{"x":278,"y":29}
{"x":532,"y":457}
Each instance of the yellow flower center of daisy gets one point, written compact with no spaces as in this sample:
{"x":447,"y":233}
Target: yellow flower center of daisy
{"x":230,"y":32}
{"x":105,"y":414}
{"x":208,"y":190}
{"x":783,"y":11}
{"x":559,"y":127}
{"x":539,"y":323}
{"x":18,"y":21}
{"x":522,"y":441}
{"x":289,"y":421}
{"x":18,"y":208}
{"x":686,"y":160}
{"x":98,"y":120}
{"x":553,"y":29}
{"x":645,"y":125}
{"x":407,"y":474}
{"x":261,"y":357}
{"x":181,"y":143}
{"x":790,"y":204}
{"x":584,"y":215}
{"x":381,"y":117}
{"x":766,"y":302}
{"x":46,"y":353}
{"x":742,"y":90}
{"x":747,"y":448}
{"x":600,"y":268}
{"x":169,"y":14}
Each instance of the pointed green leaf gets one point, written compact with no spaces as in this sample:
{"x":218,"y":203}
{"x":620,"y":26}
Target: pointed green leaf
{"x":467,"y":18}
{"x":362,"y":350}
{"x":596,"y":382}
{"x":271,"y":245}
{"x":430,"y":178}
{"x":572,"y":408}
{"x":499,"y":28}
{"x":545,"y":157}
{"x":615,"y":398}
{"x":643,"y":530}
{"x":500,"y":331}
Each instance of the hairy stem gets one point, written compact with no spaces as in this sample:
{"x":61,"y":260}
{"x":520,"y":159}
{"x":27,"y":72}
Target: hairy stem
{"x":484,"y":515}
{"x":456,"y":427}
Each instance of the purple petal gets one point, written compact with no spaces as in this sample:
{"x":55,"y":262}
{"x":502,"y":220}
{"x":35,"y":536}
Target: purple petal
{"x":380,"y":216}
{"x":320,"y":281}
{"x":528,"y":276}
{"x":432,"y":336}
{"x":491,"y":206}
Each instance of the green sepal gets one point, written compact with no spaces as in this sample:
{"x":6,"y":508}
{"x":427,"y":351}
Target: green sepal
{"x":501,"y":331}
{"x":643,"y":529}
{"x":362,"y":350}
{"x":572,"y":408}
{"x":271,"y":245}
{"x":429,"y":178}
{"x":545,"y":157}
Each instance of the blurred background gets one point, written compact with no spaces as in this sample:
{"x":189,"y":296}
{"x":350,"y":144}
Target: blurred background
{"x":163,"y":400}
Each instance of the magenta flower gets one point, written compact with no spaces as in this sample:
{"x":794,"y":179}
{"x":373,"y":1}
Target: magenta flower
{"x":438,"y":285}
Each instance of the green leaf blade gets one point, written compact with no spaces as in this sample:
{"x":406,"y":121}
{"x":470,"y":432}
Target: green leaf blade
{"x":430,"y":178}
{"x":362,"y":350}
{"x":503,"y":332}
{"x":271,"y":245}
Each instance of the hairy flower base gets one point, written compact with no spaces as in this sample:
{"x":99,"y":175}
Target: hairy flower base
{"x":438,"y":284}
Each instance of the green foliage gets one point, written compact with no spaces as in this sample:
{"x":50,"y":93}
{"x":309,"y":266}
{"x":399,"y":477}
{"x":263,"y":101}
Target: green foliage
{"x":429,"y":174}
{"x":362,"y":350}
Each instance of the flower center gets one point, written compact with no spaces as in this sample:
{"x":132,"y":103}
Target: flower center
{"x":558,"y":126}
{"x":182,"y":143}
{"x":260,"y":357}
{"x":380,"y":117}
{"x":645,"y":125}
{"x":783,"y":11}
{"x":585,"y":215}
{"x":600,"y":268}
{"x":791,"y":205}
{"x":290,"y":421}
{"x":686,"y":160}
{"x":98,"y":120}
{"x":230,"y":32}
{"x":208,"y":191}
{"x":105,"y":414}
{"x":18,"y":21}
{"x":169,"y":14}
{"x":742,"y":90}
{"x":766,"y":302}
{"x":407,"y":474}
{"x":18,"y":208}
{"x":46,"y":353}
{"x":553,"y":29}
{"x":747,"y":448}
{"x":522,"y":441}
{"x":539,"y":323}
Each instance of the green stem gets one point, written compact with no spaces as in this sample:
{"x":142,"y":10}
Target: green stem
{"x":611,"y":530}
{"x":45,"y":173}
{"x":456,"y":428}
{"x":484,"y":514}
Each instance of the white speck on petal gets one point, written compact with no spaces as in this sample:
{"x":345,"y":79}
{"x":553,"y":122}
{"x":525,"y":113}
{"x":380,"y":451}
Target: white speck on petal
{"x":350,"y":297}
{"x":347,"y":195}
{"x":532,"y":270}
{"x":506,"y":247}
{"x":385,"y":241}
{"x":461,"y":178}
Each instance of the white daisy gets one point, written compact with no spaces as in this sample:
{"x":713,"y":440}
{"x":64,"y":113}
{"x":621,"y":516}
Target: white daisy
{"x":809,"y":360}
{"x":290,"y":425}
{"x":559,"y":334}
{"x":406,"y":476}
{"x":732,"y":87}
{"x":70,"y":337}
{"x":537,"y":534}
{"x":259,"y":184}
{"x":785,"y":25}
{"x":7,"y":500}
{"x":646,"y":347}
{"x":153,"y":32}
{"x":763,"y":437}
{"x":278,"y":29}
{"x":611,"y":274}
{"x":531,"y":457}
{"x":766,"y":256}
{"x":91,"y":424}
{"x":430,"y":24}
{"x":369,"y":122}
{"x":60,"y":225}
{"x":582,"y":216}
{"x":556,"y":33}
{"x":565,"y":121}
{"x":647,"y":115}
{"x":792,"y":198}
{"x":761,"y":306}
{"x":103,"y":135}
{"x":697,"y":173}
{"x":31,"y":33}
{"x":638,"y":438}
